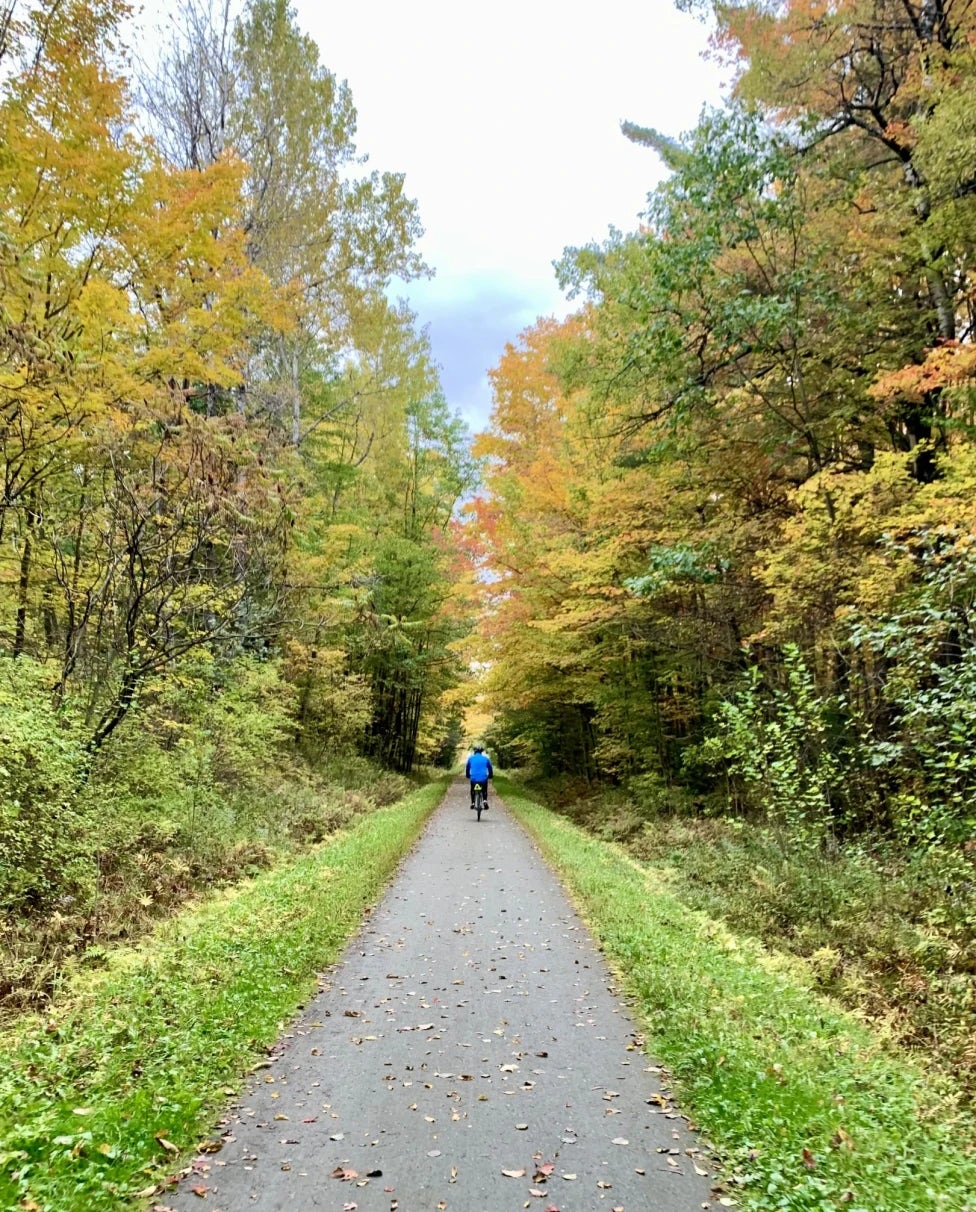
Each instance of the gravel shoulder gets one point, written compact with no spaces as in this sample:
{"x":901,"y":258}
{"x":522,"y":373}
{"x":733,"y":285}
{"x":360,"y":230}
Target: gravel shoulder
{"x":469,"y":1052}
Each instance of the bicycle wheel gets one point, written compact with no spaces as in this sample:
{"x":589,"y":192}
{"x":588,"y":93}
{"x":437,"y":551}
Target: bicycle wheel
{"x":479,"y":803}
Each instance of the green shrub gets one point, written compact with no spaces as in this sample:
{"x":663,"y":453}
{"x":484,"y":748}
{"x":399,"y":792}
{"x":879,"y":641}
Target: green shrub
{"x":46,"y":850}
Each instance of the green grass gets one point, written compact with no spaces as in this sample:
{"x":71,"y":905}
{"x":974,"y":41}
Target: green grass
{"x":808,"y":1108}
{"x":144,"y":1051}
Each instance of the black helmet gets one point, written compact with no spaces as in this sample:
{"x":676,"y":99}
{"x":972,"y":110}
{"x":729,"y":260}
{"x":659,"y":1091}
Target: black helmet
{"x":479,"y":748}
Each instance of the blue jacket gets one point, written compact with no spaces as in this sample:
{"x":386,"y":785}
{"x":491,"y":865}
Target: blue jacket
{"x":478,"y":768}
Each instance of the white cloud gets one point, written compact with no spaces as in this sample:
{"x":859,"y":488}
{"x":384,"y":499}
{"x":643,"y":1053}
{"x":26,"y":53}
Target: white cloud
{"x":505,"y":118}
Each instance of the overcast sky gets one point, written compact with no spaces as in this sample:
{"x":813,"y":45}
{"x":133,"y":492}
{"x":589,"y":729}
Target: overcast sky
{"x":505,"y":118}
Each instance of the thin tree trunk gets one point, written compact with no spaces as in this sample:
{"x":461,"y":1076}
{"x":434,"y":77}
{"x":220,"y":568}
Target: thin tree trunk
{"x":23,"y":581}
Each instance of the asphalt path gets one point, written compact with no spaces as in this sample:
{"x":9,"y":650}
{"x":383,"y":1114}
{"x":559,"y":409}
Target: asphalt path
{"x":468,"y":1052}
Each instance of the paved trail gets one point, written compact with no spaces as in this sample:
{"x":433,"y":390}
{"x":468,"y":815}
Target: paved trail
{"x":470,"y":1030}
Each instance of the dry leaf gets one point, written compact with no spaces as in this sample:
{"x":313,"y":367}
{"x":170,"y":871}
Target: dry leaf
{"x":842,"y":1139}
{"x":514,"y":1173}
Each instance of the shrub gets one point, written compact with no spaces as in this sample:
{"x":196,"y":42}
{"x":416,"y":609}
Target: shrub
{"x":47,"y":854}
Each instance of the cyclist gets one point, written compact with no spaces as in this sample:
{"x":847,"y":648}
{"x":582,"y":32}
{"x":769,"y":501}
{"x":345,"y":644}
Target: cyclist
{"x":478,"y":770}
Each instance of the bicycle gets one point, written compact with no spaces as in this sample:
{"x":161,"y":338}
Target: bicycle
{"x":479,"y":800}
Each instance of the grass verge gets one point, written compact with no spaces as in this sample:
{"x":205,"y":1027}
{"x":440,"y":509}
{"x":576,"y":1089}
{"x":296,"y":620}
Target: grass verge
{"x":127,"y":1069}
{"x":809,"y":1109}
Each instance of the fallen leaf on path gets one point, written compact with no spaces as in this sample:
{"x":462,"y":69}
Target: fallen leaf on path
{"x":514,"y":1173}
{"x":434,"y":1153}
{"x":345,"y":1175}
{"x":569,"y":1177}
{"x":200,"y":1192}
{"x":620,"y":1140}
{"x":604,"y":1186}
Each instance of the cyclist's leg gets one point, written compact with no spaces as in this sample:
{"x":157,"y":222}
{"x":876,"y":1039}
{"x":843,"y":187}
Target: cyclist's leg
{"x":471,"y":783}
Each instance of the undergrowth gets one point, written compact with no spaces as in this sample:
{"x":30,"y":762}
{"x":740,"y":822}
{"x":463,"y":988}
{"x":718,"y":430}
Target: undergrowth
{"x":149,"y":857}
{"x":127,"y":1066}
{"x":888,"y":932}
{"x":809,"y":1108}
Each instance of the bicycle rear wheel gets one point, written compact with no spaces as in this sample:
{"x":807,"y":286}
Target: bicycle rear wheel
{"x":479,"y":803}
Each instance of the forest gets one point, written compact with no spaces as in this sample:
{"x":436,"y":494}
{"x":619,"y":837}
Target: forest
{"x":729,"y":510}
{"x":228,"y":581}
{"x":716,"y":550}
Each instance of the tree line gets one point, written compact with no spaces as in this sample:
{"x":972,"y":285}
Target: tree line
{"x":229,"y":473}
{"x":730,"y":505}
